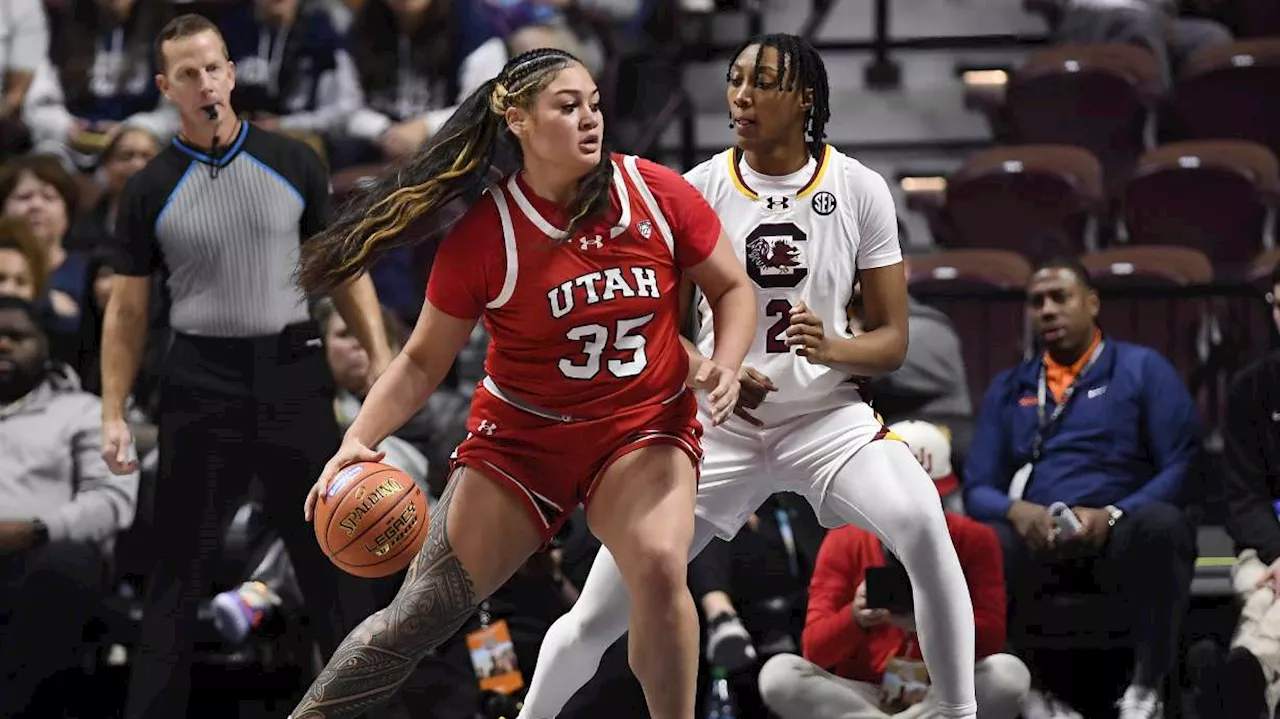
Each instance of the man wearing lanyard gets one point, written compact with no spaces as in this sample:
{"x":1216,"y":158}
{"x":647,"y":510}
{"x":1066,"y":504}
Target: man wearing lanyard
{"x":1108,"y":429}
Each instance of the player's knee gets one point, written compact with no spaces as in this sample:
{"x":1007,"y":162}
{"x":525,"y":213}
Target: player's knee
{"x":779,"y":680}
{"x":1002,"y":681}
{"x":658,"y":571}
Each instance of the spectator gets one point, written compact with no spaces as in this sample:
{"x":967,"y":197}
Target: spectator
{"x":531,"y":24}
{"x":1248,"y":683}
{"x":349,"y":363}
{"x":415,"y":60}
{"x":1153,"y":24}
{"x":293,"y":72}
{"x":38,"y":190}
{"x":62,"y":509}
{"x":932,"y":379}
{"x":24,"y":46}
{"x":858,"y":659}
{"x":22,"y":263}
{"x":1108,"y":429}
{"x":100,"y":75}
{"x":129,"y":151}
{"x":932,"y":446}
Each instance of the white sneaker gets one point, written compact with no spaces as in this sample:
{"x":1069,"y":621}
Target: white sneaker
{"x":1043,"y":705}
{"x":1140,"y":703}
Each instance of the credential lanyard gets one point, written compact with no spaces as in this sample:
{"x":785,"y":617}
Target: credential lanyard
{"x":1042,"y":397}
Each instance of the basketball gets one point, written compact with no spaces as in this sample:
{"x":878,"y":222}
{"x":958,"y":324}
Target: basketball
{"x":372,"y":520}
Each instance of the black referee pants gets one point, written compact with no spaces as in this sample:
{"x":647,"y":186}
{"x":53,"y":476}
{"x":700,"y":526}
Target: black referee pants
{"x":231,"y":409}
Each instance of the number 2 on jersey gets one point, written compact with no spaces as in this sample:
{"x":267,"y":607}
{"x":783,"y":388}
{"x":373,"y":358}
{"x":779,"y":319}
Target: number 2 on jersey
{"x":775,"y":341}
{"x":595,"y":338}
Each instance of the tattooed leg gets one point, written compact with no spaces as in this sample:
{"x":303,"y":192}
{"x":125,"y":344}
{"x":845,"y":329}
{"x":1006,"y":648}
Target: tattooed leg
{"x":376,"y":658}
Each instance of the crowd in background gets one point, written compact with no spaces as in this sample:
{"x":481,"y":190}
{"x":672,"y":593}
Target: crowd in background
{"x":788,"y":630}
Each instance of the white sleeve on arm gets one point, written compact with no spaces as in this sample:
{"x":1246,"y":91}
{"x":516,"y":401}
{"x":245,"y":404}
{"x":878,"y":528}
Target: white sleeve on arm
{"x":102,"y":503}
{"x":45,"y":111}
{"x":161,"y":122}
{"x":29,"y":30}
{"x":877,"y":221}
{"x":700,"y":175}
{"x":483,"y":64}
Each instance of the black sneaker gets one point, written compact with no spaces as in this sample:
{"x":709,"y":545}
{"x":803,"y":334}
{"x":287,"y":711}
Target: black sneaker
{"x":729,"y":644}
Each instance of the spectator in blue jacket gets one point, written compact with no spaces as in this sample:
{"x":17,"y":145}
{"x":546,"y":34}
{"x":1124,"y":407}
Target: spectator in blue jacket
{"x":293,"y":73}
{"x":1108,"y":429}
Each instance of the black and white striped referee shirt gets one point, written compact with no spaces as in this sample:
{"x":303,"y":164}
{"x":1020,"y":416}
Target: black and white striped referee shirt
{"x":226,"y":232}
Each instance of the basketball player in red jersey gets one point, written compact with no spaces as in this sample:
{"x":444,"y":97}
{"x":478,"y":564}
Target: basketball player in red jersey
{"x":574,"y":262}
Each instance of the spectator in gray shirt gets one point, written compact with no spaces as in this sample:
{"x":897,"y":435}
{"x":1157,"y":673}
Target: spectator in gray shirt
{"x":24,"y":45}
{"x":932,"y":379}
{"x":61,"y":513}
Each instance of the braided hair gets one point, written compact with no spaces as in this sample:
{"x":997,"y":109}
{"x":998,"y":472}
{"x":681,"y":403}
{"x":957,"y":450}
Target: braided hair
{"x":454,"y":165}
{"x":801,"y":62}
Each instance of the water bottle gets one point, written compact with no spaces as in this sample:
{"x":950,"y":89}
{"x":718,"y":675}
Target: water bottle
{"x":721,"y":704}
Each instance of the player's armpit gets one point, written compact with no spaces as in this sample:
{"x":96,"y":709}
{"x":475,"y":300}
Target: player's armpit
{"x":376,"y":658}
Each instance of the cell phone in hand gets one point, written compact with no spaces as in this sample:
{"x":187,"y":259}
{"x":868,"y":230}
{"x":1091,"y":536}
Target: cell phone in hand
{"x":1065,"y":520}
{"x":889,"y":587}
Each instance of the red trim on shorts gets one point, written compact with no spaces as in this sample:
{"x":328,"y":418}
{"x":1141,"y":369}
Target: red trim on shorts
{"x":645,"y":439}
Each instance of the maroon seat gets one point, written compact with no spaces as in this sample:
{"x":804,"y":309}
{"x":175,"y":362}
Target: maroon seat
{"x":1229,"y":91}
{"x":1006,"y":197}
{"x":960,"y":284}
{"x":1174,"y":326}
{"x":1093,"y":96}
{"x":1212,"y":196}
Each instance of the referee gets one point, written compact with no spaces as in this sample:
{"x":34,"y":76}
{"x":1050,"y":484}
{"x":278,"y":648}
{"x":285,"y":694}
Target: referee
{"x":246,"y":390}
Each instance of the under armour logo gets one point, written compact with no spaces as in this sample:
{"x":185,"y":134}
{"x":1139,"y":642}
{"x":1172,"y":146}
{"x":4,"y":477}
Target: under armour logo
{"x":778,"y":203}
{"x":487,"y":427}
{"x":587,"y":242}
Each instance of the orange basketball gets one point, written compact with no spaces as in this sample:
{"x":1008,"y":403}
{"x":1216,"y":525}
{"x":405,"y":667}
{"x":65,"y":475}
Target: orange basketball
{"x":372,"y":520}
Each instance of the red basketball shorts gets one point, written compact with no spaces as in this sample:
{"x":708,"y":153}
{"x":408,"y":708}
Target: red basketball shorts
{"x":552,"y":463}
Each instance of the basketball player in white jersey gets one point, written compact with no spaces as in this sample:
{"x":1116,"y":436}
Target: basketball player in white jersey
{"x":804,"y":218}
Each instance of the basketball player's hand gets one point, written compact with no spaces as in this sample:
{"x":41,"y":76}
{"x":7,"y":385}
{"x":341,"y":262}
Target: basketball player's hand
{"x":753,"y":386}
{"x":117,"y":447}
{"x":807,"y":336}
{"x":722,"y":385}
{"x":350,"y":452}
{"x":867,"y":618}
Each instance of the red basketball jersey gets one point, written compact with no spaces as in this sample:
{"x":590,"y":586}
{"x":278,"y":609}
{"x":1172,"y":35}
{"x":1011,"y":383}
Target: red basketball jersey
{"x":583,"y":325}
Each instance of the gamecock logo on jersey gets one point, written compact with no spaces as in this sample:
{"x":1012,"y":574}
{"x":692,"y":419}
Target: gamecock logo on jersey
{"x":775,"y":255}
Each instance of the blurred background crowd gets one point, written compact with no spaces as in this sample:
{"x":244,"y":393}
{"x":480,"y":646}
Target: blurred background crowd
{"x":1136,"y":138}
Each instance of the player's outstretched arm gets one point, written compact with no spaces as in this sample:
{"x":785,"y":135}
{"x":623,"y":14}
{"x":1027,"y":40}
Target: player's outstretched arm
{"x":375,"y":659}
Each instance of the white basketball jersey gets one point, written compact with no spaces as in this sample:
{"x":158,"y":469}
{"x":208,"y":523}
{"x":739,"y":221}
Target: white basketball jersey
{"x":801,"y":237}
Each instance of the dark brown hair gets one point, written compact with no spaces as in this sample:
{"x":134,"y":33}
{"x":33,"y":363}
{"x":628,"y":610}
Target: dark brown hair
{"x":15,"y":235}
{"x":184,"y":26}
{"x":45,"y":168}
{"x":452,"y":165}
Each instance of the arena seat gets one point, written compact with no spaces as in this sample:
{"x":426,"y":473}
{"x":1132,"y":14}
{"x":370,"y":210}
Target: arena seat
{"x":1003,"y":197}
{"x":1215,"y":196}
{"x":1098,"y":97}
{"x":1180,"y":328}
{"x":1255,"y":18}
{"x":961,"y":284}
{"x":1229,"y":91}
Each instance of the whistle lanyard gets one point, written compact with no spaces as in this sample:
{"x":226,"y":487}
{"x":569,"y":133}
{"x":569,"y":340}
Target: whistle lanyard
{"x":1042,"y":397}
{"x":788,"y":540}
